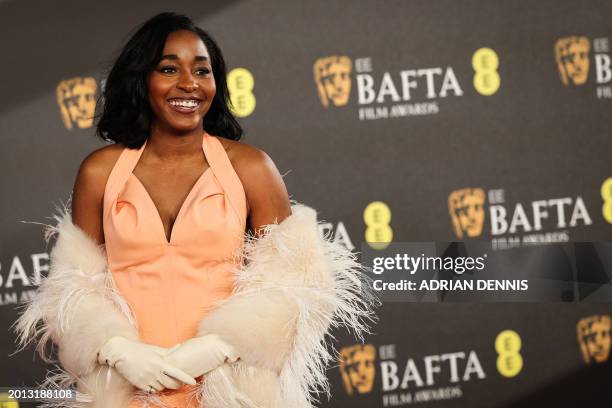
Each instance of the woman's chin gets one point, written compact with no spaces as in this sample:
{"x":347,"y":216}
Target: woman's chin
{"x":182,"y":127}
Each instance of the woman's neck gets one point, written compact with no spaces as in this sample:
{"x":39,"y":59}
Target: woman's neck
{"x":170,"y":146}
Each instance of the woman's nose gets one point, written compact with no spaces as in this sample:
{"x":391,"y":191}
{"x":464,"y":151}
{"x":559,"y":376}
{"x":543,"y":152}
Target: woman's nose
{"x":187,"y":82}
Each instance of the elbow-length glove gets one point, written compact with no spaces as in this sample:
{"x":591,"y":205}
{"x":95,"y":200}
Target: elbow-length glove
{"x":292,"y":288}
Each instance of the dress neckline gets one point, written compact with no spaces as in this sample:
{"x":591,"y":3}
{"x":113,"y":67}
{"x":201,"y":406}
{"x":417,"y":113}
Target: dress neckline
{"x":169,"y":240}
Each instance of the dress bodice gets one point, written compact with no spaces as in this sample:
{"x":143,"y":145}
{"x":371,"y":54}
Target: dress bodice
{"x":171,"y":285}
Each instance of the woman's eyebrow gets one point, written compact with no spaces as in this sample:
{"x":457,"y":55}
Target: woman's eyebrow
{"x":175,"y":57}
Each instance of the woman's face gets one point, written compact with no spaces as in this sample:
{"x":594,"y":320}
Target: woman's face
{"x":182,"y":86}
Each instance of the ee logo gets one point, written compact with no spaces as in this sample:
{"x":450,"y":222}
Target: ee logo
{"x":486,"y":78}
{"x":378,"y":233}
{"x":509,"y":360}
{"x":240,"y":83}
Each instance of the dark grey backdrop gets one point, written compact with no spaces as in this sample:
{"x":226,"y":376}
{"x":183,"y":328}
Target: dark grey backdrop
{"x":535,"y":139}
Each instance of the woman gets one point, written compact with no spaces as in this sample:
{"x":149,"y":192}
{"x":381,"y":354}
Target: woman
{"x":183,"y":276}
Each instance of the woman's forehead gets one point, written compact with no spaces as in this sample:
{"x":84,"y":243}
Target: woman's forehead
{"x":185,"y":44}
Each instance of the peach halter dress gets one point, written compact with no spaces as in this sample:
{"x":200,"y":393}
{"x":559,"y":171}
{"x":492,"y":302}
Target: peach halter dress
{"x":172,"y":285}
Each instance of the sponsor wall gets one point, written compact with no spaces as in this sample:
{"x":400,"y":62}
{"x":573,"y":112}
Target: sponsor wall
{"x":399,"y":121}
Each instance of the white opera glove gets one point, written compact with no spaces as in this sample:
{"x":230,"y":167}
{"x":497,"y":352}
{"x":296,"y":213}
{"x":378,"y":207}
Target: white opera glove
{"x":200,"y":355}
{"x":143,"y":365}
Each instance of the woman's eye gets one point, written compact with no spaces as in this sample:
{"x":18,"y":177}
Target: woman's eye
{"x":167,"y":70}
{"x":203,"y":71}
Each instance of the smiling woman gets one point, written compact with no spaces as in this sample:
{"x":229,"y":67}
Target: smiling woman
{"x":183,"y":277}
{"x":167,"y":54}
{"x":182,"y":82}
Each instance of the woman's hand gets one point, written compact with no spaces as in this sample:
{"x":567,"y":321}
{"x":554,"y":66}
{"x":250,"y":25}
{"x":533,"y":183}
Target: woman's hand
{"x":200,"y":355}
{"x":143,"y":365}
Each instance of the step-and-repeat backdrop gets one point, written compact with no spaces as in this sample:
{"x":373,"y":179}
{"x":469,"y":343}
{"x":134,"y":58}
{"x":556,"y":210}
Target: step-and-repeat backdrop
{"x":411,"y":120}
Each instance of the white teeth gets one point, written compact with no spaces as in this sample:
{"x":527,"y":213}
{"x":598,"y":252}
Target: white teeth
{"x":184,"y":103}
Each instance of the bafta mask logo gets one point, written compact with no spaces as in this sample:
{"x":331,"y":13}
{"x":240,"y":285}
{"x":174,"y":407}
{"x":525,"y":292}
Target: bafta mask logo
{"x":466,"y":208}
{"x":594,"y":338}
{"x":357,"y":368}
{"x":572,"y":56}
{"x":76,"y":98}
{"x":333,"y":78}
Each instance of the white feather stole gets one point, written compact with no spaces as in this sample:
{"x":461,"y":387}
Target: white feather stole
{"x":292,"y":288}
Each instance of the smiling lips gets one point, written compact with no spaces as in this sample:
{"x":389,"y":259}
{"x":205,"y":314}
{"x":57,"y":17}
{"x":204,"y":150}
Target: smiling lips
{"x":185,"y":105}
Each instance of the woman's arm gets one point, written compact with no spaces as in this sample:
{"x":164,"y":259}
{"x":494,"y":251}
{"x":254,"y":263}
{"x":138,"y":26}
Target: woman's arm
{"x":88,"y":191}
{"x":266,"y":194}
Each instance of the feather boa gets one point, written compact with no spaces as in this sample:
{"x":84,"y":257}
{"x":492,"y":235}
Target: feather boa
{"x":292,"y":288}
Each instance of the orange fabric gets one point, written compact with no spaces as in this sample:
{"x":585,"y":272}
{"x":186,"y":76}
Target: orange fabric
{"x":171,"y":286}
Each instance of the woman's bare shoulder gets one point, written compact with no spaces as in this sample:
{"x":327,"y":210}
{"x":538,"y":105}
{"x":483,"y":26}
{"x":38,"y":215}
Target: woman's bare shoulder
{"x":253,"y":165}
{"x":105,"y":154}
{"x":241,"y":153}
{"x":264,"y":187}
{"x":97,"y":165}
{"x":89,"y":187}
{"x":94,"y":171}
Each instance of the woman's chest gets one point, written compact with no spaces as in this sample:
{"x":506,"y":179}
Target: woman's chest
{"x":205,"y":228}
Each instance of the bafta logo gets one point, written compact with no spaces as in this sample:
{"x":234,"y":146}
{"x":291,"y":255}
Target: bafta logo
{"x":357,"y":368}
{"x":466,"y":209}
{"x":333,"y":78}
{"x":76,"y":98}
{"x":594,"y":338}
{"x":572,"y":56}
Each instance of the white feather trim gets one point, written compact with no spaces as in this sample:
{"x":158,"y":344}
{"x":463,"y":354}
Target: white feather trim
{"x":293,"y":287}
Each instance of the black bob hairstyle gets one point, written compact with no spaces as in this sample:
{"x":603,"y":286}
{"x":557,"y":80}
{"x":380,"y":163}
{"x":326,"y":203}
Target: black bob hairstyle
{"x":126,"y":115}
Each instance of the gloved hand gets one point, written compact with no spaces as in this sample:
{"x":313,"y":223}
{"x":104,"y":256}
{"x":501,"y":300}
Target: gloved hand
{"x":143,"y":365}
{"x":200,"y":355}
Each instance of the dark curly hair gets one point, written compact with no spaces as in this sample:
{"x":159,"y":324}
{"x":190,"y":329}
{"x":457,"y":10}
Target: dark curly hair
{"x":126,"y":115}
